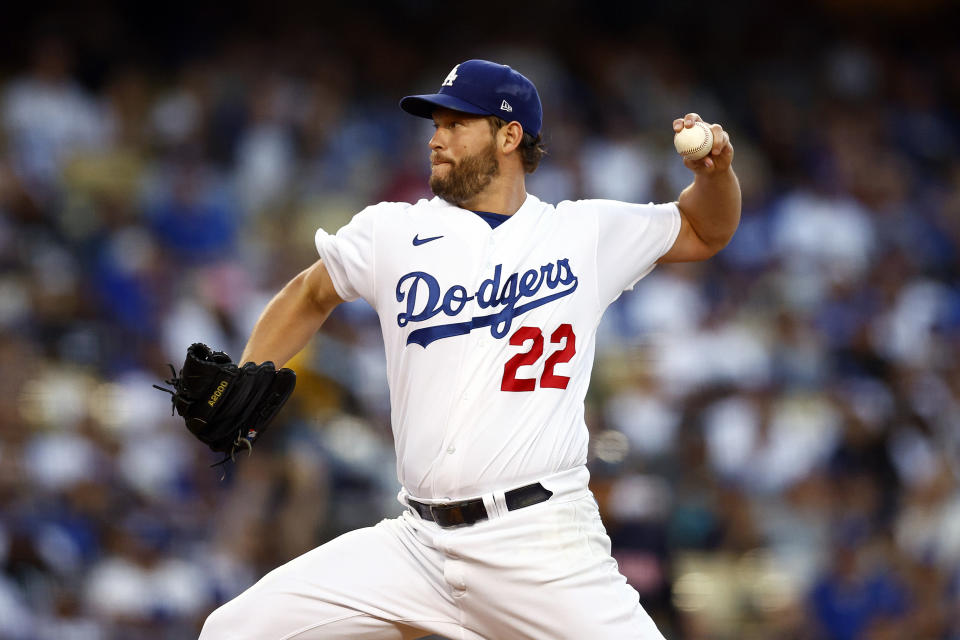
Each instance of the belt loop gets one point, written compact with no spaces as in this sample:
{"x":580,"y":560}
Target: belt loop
{"x":491,"y":505}
{"x":501,"y":502}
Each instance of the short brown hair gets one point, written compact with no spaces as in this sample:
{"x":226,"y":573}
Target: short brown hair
{"x":531,"y":149}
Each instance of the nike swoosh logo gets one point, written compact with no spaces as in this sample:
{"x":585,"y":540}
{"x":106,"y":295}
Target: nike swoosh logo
{"x":417,"y":240}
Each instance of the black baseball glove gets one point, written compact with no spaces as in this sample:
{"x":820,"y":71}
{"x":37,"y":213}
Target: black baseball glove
{"x":225,"y":406}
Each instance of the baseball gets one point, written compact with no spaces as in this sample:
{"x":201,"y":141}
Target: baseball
{"x":695,"y":142}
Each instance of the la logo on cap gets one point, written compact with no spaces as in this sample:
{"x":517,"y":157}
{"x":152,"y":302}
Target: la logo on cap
{"x":450,"y":77}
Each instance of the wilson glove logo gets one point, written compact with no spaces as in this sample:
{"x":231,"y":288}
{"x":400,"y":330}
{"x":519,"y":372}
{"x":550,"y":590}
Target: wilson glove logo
{"x":217,"y":393}
{"x":421,"y":292}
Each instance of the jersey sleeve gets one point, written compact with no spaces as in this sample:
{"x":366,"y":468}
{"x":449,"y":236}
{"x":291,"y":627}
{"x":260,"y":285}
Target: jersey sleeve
{"x":630,"y":240}
{"x":350,"y":256}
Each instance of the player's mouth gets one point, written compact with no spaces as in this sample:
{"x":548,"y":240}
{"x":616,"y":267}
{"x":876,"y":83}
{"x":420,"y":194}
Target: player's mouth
{"x":440,"y":168}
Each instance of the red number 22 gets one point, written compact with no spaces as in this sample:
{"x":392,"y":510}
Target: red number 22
{"x":549,"y":380}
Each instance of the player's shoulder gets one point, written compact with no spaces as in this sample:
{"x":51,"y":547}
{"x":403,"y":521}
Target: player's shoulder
{"x":578,"y":208}
{"x":398,"y":208}
{"x":384,"y":208}
{"x":564,"y":212}
{"x":586,"y":205}
{"x":601,"y":206}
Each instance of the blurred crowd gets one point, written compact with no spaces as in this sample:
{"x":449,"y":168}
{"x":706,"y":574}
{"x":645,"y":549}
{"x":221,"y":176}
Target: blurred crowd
{"x":776,"y":432}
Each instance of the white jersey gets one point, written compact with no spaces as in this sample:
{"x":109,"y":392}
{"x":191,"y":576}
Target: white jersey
{"x":490,"y":333}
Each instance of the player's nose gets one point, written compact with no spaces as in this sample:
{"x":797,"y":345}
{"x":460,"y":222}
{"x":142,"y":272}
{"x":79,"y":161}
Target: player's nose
{"x":436,"y":142}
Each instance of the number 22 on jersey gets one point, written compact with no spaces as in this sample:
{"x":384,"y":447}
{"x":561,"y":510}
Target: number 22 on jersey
{"x":563,"y":336}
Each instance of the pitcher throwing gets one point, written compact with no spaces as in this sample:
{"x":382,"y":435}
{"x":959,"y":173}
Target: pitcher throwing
{"x":489,"y":301}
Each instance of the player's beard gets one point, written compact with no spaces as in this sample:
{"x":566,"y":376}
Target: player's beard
{"x":468,"y":177}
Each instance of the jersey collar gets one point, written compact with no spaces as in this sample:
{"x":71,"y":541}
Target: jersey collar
{"x":531,"y":203}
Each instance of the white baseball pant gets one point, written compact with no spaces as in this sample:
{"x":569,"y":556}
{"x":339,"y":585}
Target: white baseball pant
{"x":542,"y":572}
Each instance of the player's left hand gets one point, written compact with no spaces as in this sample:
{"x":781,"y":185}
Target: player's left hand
{"x":225,"y":406}
{"x":719,"y":158}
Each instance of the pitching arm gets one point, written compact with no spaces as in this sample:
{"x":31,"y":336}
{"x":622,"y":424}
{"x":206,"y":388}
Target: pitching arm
{"x":710,"y":207}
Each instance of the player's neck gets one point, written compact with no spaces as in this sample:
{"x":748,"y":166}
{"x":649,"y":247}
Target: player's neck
{"x":505,"y":194}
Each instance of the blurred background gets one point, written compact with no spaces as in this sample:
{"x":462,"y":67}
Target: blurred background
{"x":775,"y":432}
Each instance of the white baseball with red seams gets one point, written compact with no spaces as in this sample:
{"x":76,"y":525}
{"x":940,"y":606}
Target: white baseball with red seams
{"x":694,"y":142}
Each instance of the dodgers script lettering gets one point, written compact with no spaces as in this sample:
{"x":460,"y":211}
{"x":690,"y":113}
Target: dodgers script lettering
{"x":424,"y":299}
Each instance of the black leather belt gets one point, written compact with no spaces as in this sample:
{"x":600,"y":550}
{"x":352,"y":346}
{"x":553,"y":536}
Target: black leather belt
{"x":459,"y":514}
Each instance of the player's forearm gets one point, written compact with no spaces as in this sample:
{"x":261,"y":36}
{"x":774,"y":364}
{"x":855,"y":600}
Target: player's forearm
{"x":291,"y":318}
{"x":712,"y":206}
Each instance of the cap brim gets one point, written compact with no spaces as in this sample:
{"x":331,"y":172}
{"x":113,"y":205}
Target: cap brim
{"x":424,"y":106}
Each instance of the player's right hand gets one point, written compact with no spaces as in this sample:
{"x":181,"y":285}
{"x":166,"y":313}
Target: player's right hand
{"x":719,"y":158}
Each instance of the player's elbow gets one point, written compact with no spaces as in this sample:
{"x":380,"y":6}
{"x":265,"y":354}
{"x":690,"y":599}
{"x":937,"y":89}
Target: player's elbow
{"x":715,"y":244}
{"x":316,"y":289}
{"x":697,"y":242}
{"x":705,"y":250}
{"x":711,"y":245}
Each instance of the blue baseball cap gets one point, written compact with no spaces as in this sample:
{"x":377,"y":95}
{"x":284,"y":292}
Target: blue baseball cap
{"x":483,"y":88}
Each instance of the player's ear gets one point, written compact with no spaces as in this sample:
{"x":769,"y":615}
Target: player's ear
{"x":509,"y":136}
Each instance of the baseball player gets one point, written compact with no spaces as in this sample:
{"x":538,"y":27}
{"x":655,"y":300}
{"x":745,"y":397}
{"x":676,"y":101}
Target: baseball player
{"x":489,"y":301}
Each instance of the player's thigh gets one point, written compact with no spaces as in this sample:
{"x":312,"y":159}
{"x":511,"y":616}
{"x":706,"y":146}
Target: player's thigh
{"x":370,"y":583}
{"x":551,"y":576}
{"x":600,"y":597}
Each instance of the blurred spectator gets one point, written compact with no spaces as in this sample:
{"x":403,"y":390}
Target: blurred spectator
{"x":47,"y":116}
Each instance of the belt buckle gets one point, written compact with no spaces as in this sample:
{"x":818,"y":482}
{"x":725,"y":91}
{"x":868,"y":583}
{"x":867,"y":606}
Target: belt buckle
{"x":449,"y":515}
{"x":459,"y":514}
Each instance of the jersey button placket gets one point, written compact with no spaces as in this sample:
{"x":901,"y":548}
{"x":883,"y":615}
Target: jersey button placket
{"x":479,"y":339}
